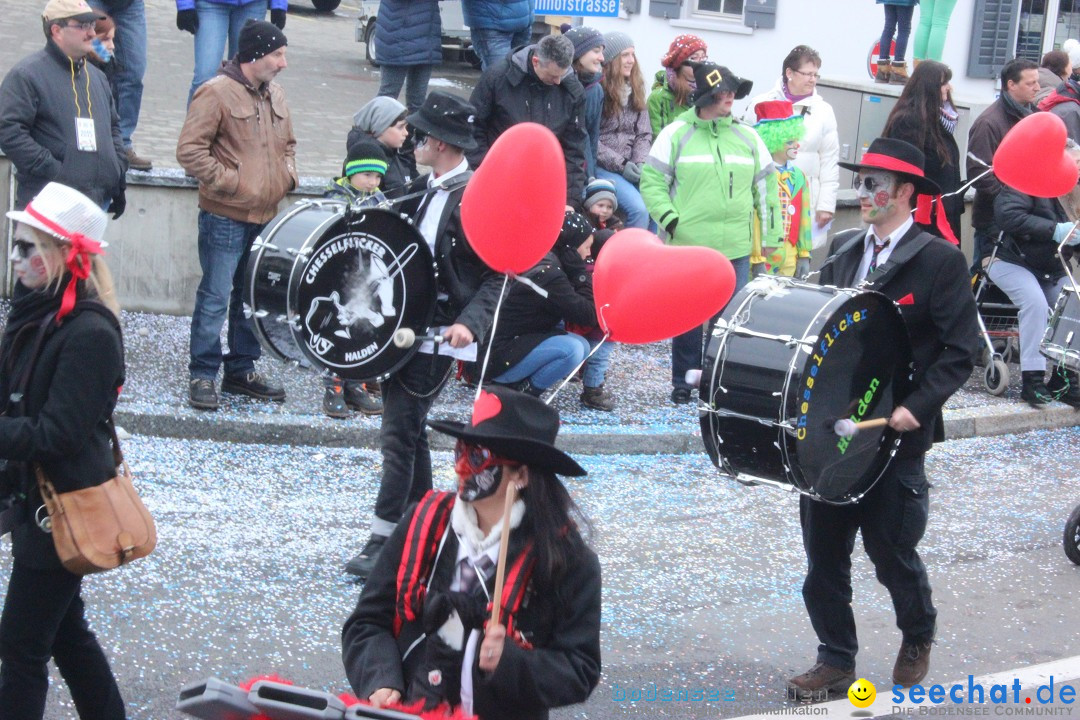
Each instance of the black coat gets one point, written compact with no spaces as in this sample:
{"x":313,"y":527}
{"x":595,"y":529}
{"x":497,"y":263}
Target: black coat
{"x":68,"y":402}
{"x":509,"y":92}
{"x":940,"y":315}
{"x":400,"y":166}
{"x":1028,"y":224}
{"x":944,"y":170}
{"x":562,"y":623}
{"x":985,"y":135}
{"x":471,"y":287}
{"x":527,"y":318}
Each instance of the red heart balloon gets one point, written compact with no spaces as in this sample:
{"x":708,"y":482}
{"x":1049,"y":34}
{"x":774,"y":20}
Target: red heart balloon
{"x":487,"y":406}
{"x":647,"y":291}
{"x":1031,"y":157}
{"x":513,"y":206}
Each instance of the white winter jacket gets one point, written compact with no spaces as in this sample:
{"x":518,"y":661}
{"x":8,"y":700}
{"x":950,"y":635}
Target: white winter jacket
{"x":819,"y":150}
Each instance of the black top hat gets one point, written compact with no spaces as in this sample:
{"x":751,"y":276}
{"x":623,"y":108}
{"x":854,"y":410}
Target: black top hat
{"x":448,"y":118}
{"x":514,"y":426}
{"x":712,"y":79}
{"x":898,"y":157}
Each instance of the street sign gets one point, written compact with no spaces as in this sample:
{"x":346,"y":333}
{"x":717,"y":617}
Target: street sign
{"x":578,"y":8}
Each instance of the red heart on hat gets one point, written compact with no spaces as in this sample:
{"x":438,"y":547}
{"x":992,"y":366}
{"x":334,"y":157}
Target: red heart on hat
{"x":487,"y":406}
{"x":1031,"y":157}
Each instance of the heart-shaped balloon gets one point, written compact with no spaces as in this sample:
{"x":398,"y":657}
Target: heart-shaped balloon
{"x":1031,"y":157}
{"x":487,"y":406}
{"x":513,"y":206}
{"x":647,"y":291}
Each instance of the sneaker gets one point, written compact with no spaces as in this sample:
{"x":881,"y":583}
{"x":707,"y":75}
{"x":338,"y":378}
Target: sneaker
{"x":137,"y":162}
{"x":912,"y":663}
{"x":202,"y":394}
{"x":362,"y":565}
{"x":358,"y":398}
{"x":1065,"y":386}
{"x":1033,"y":389}
{"x":680,"y":396}
{"x":596,"y":398}
{"x":253,"y":384}
{"x":333,"y":403}
{"x":820,"y":683}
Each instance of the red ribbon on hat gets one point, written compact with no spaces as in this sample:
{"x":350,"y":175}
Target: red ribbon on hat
{"x":923,"y":206}
{"x":77,"y":260}
{"x":888,"y":162}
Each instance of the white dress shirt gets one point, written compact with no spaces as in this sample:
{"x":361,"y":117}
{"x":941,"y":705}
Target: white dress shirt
{"x":434,"y":206}
{"x":883,"y":256}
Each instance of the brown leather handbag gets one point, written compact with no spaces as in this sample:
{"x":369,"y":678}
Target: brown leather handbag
{"x":102,"y":527}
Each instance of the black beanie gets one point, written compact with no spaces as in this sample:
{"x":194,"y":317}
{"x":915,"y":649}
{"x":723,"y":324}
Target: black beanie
{"x":259,"y":38}
{"x":576,"y":229}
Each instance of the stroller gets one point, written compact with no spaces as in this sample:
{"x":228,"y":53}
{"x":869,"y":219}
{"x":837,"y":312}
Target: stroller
{"x":999,"y":325}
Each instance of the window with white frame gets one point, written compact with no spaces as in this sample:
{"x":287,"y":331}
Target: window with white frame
{"x":726,"y":9}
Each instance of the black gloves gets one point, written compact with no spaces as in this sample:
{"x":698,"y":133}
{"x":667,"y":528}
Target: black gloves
{"x":670,"y":227}
{"x":118,"y":204}
{"x":277,"y":17}
{"x":187,"y":20}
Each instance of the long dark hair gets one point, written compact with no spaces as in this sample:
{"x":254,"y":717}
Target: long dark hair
{"x":554,"y":522}
{"x":918,"y":111}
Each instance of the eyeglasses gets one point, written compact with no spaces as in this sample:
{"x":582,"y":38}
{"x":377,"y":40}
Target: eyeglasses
{"x":698,"y":57}
{"x":473,"y":459}
{"x":84,"y":26}
{"x":816,"y":76}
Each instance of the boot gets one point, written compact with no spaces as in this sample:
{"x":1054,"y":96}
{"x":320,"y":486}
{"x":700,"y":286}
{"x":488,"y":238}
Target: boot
{"x":912,"y":663}
{"x":1033,"y":389}
{"x":596,"y":398}
{"x":359,"y":398}
{"x":820,"y":684}
{"x":333,"y":403}
{"x":1065,"y":386}
{"x":898,"y":73}
{"x":882,"y":75}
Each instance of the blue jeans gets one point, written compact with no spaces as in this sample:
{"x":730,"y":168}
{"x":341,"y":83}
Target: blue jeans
{"x":898,"y":18}
{"x":491,"y":46}
{"x":596,"y":366}
{"x":130,"y":64}
{"x":218,"y":23}
{"x":688,"y":349}
{"x":549,"y":362}
{"x":224,"y":246}
{"x":629,"y":198}
{"x":394,"y":77}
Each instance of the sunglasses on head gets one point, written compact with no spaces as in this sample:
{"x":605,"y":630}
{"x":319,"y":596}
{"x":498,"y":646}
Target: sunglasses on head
{"x":472,"y":459}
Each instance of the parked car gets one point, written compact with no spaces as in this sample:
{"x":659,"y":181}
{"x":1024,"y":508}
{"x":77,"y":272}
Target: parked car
{"x":326,"y":5}
{"x":456,"y":40}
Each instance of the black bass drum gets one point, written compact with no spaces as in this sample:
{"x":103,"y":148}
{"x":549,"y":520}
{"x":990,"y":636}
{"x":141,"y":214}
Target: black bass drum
{"x":327,"y":287}
{"x":785,"y":361}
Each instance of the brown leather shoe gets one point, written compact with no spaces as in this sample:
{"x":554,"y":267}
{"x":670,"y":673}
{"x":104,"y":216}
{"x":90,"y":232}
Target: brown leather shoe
{"x":912,"y":663}
{"x":820,"y":683}
{"x":138,"y":162}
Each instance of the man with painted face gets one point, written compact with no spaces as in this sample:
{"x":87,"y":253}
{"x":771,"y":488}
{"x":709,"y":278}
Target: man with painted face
{"x":420,"y":630}
{"x":927,"y":277}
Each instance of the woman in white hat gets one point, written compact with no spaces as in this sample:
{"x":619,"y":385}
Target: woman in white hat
{"x":61,"y":368}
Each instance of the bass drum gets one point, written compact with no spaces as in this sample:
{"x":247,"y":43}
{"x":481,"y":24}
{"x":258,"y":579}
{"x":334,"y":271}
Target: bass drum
{"x":1061,"y":342}
{"x":785,"y":361}
{"x":327,"y":287}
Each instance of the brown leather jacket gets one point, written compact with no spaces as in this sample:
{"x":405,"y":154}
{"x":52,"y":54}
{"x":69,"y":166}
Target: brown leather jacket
{"x":238,"y":141}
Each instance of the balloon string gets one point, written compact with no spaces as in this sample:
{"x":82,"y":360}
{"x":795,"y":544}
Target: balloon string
{"x":526,"y":281}
{"x":491,"y":337}
{"x":575,"y":370}
{"x":602,"y":321}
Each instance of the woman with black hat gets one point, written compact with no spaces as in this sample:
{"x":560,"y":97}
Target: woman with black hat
{"x":418,"y":632}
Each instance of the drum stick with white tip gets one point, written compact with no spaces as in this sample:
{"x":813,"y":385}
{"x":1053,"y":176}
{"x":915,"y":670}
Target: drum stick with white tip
{"x":406,"y":337}
{"x":693,"y":378}
{"x":845,"y":427}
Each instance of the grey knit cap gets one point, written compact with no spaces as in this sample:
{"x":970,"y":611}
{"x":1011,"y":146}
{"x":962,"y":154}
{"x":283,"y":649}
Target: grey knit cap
{"x":614,"y":43}
{"x":584,"y":39}
{"x":377,"y":115}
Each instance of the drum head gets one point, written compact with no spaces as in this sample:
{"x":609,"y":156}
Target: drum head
{"x":364,"y":279}
{"x":856,"y":368}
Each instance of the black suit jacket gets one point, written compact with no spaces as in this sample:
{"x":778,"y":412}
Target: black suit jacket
{"x":933,"y":290}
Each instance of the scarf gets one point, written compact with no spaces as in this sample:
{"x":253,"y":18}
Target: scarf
{"x":1014,"y":107}
{"x":949,"y":117}
{"x":788,"y":94}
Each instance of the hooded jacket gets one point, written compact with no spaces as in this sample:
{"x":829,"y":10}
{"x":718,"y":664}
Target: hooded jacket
{"x":1064,"y":101}
{"x":709,"y":177}
{"x":509,"y":92}
{"x":38,"y":107}
{"x":408,"y":32}
{"x":238,"y":141}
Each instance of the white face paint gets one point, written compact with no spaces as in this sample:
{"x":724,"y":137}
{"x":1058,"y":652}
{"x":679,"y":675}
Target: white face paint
{"x":876,"y":190}
{"x":26,"y":261}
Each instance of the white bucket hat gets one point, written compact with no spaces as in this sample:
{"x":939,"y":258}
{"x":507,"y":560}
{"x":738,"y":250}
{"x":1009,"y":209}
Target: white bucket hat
{"x":62,"y":212}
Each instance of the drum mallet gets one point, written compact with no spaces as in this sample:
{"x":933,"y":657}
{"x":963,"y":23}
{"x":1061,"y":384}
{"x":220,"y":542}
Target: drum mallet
{"x":693,"y":378}
{"x":845,"y":427}
{"x":406,"y":337}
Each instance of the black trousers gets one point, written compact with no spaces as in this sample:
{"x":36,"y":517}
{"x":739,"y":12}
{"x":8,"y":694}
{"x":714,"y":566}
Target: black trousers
{"x":42,"y":619}
{"x":407,"y":398}
{"x":892,"y":518}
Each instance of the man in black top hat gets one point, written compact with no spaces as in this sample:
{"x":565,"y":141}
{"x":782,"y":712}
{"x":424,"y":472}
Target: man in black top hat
{"x":927,"y":277}
{"x":467,"y":294}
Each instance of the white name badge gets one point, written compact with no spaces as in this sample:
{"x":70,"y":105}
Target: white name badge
{"x":85,"y":135}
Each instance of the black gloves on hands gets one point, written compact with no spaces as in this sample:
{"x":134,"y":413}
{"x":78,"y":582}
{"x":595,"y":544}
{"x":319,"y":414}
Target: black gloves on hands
{"x":277,"y":17}
{"x":118,"y":204}
{"x":187,"y":20}
{"x":670,"y":227}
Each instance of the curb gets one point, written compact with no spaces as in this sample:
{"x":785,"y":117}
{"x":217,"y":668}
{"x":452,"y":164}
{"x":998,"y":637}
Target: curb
{"x":281,"y":429}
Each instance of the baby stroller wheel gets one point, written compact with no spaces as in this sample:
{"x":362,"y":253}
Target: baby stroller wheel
{"x":1072,"y":536}
{"x":996,"y":377}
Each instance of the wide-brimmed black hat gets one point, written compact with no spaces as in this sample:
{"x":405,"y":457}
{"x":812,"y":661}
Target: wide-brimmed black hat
{"x":898,"y":157}
{"x":712,"y":79}
{"x":514,"y":426}
{"x":448,"y":118}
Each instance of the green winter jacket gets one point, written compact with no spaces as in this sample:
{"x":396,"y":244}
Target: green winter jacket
{"x":662,"y":107}
{"x":708,"y":177}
